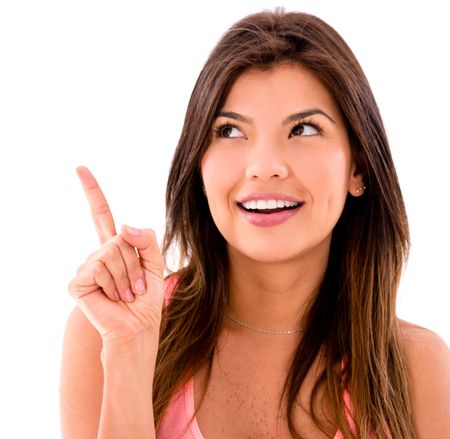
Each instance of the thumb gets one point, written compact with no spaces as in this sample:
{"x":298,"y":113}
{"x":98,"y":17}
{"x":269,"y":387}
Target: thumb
{"x":147,"y":247}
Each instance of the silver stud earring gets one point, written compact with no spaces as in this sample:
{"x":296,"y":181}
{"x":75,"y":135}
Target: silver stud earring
{"x":360,"y":189}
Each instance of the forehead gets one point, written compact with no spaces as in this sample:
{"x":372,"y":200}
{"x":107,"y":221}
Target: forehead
{"x":285,"y":87}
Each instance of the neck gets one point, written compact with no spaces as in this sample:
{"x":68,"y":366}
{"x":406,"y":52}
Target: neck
{"x":275,"y":295}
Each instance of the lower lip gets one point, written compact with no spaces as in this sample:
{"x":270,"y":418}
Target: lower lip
{"x":269,"y":219}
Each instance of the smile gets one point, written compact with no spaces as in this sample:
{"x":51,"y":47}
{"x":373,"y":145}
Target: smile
{"x":268,"y":206}
{"x":268,"y":213}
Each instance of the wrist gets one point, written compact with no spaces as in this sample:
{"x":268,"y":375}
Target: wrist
{"x":143,"y":346}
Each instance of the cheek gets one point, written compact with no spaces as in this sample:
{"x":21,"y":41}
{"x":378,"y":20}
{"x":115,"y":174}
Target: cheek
{"x":220,"y":173}
{"x":335,"y":177}
{"x":326,"y":171}
{"x":325,"y":175}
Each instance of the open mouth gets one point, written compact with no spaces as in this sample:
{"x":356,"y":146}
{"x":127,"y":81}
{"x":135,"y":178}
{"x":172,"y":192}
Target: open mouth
{"x":270,"y":206}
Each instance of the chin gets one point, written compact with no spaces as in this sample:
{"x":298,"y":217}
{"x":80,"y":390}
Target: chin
{"x":270,"y":254}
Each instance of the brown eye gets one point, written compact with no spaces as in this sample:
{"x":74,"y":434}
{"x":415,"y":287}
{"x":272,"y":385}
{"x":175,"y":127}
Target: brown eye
{"x":228,"y":131}
{"x":304,"y":129}
{"x":298,"y":130}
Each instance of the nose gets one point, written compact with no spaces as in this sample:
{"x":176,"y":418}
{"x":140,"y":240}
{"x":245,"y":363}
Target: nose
{"x":265,"y":162}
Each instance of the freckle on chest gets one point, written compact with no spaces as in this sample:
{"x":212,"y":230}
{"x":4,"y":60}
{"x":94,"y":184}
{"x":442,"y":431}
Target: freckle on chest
{"x":246,"y":393}
{"x":243,"y":395}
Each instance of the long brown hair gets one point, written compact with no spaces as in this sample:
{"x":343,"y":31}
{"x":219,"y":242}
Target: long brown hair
{"x":353,"y":315}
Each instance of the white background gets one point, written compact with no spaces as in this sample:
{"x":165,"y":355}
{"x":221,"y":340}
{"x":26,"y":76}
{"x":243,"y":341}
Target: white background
{"x":105,"y":84}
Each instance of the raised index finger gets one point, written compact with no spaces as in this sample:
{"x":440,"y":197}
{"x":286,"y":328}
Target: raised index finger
{"x":101,"y":214}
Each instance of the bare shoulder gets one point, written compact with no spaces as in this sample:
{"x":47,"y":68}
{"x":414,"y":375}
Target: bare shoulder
{"x":81,"y":381}
{"x":415,"y":333}
{"x":428,"y":361}
{"x":423,"y":346}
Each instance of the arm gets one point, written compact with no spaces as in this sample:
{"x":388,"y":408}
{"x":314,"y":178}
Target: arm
{"x":127,"y":406}
{"x":106,"y":391}
{"x":111,"y":339}
{"x":428,"y":359}
{"x":81,"y":382}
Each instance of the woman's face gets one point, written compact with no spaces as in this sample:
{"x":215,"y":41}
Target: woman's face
{"x":278,"y":166}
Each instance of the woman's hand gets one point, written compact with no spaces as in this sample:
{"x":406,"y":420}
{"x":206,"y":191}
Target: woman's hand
{"x":126,"y":263}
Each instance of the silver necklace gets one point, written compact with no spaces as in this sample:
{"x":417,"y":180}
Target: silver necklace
{"x":265,"y":331}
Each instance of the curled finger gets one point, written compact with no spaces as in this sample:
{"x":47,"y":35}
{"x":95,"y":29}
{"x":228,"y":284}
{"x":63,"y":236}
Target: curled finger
{"x":111,"y":257}
{"x":92,"y":277}
{"x":132,"y":265}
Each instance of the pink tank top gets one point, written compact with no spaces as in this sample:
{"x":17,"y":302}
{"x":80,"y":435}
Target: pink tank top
{"x":179,"y":421}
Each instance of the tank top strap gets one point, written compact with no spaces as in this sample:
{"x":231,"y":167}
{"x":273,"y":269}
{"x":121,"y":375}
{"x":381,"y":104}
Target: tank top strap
{"x":348,"y":404}
{"x":170,"y":284}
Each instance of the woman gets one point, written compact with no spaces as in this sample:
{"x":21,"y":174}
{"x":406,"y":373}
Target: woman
{"x":284,"y":205}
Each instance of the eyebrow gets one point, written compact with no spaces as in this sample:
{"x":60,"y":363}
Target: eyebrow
{"x":289,"y":119}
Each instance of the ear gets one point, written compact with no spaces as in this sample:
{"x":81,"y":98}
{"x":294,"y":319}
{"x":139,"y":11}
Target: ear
{"x":356,"y":185}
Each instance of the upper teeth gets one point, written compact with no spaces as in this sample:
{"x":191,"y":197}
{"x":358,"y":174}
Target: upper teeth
{"x":268,"y":204}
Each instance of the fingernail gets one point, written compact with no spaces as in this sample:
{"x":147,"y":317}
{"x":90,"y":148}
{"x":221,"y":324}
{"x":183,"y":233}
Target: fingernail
{"x":132,"y":231}
{"x":139,"y":286}
{"x":129,"y":295}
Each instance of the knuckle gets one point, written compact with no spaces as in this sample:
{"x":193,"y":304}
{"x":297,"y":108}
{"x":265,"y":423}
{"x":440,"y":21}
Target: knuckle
{"x":112,"y":251}
{"x":119,"y":242}
{"x":74,"y":288}
{"x":101,"y":208}
{"x":118,"y":239}
{"x":97,"y":267}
